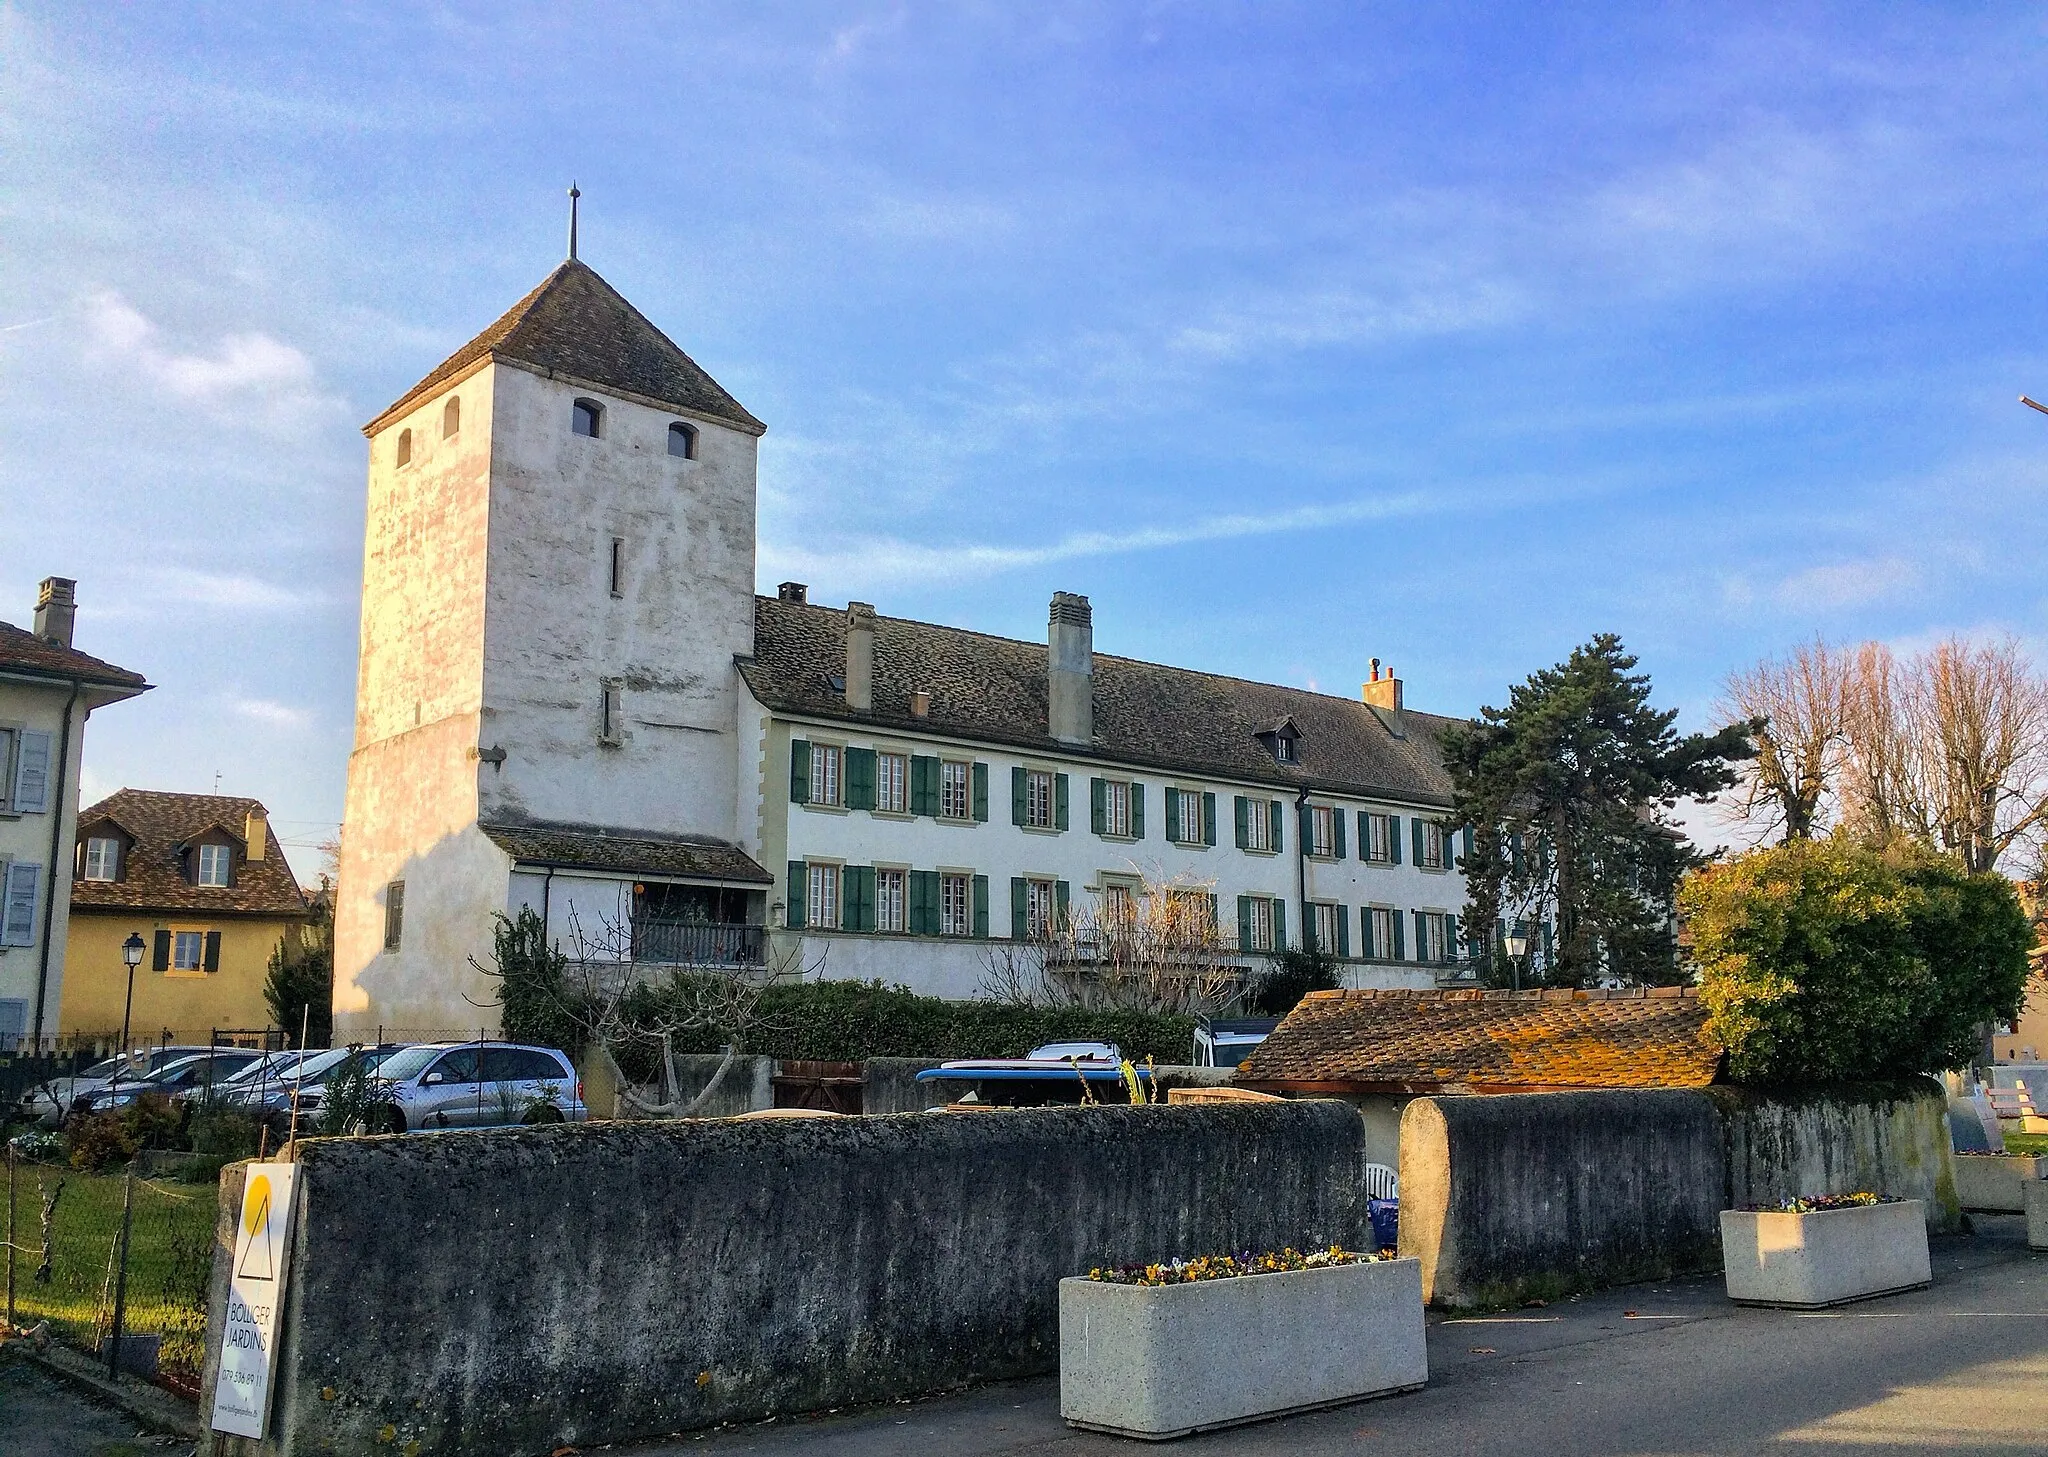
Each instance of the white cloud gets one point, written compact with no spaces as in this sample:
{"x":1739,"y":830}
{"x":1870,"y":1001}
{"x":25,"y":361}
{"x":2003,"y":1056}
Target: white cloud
{"x":244,"y":371}
{"x":217,"y":589}
{"x":1830,"y":586}
{"x":269,"y":711}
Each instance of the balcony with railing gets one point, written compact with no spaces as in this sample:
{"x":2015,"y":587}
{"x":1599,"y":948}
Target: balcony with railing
{"x":666,"y":942}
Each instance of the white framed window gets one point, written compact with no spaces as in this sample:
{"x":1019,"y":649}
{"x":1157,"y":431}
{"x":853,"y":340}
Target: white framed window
{"x":821,"y":894}
{"x":1187,"y":815}
{"x":1379,"y":926}
{"x":1433,"y":846}
{"x":1038,"y":805}
{"x":1283,"y":748}
{"x":956,"y":905}
{"x":1119,"y":903}
{"x":216,"y":865}
{"x":1116,"y":808}
{"x":1040,"y":907}
{"x":956,"y":790}
{"x":825,"y":762}
{"x":1379,"y":840}
{"x":1429,"y":936}
{"x":1322,"y":831}
{"x":1327,"y":938}
{"x":1258,"y":824}
{"x":188,"y":951}
{"x":890,"y":898}
{"x":102,"y":858}
{"x":892,"y":777}
{"x":1259,"y":923}
{"x":1191,"y":912}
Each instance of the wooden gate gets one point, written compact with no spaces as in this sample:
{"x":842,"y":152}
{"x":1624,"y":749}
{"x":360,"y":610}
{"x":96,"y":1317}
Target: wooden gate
{"x":833,"y":1087}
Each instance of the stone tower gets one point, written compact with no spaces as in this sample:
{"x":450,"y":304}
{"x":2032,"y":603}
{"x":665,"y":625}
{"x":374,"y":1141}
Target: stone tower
{"x":558,"y":571}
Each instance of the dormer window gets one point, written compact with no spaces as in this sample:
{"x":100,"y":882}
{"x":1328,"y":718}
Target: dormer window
{"x":405,"y":447}
{"x":1283,"y":742}
{"x":102,"y":858}
{"x":682,"y":442}
{"x":213,"y":865}
{"x":587,"y":418}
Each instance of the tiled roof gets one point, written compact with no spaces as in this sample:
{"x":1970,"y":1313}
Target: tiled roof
{"x":588,"y":847}
{"x":24,"y":652}
{"x":576,"y":324}
{"x":153,"y":874}
{"x":1468,"y":1041}
{"x":994,"y":689}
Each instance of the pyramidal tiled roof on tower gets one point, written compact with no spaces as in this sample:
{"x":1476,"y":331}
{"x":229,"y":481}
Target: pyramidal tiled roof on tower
{"x":575,"y":326}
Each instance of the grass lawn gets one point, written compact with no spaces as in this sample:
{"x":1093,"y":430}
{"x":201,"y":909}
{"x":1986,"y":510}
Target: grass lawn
{"x":170,"y":1257}
{"x":2035,"y":1143}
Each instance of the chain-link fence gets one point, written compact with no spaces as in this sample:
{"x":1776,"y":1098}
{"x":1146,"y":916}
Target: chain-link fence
{"x":99,"y":1254}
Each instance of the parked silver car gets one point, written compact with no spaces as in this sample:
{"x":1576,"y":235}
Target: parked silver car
{"x":184,"y":1078}
{"x":52,"y":1102}
{"x":478,"y":1085}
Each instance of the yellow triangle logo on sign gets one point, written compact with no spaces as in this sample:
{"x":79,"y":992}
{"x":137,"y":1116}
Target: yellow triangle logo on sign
{"x":257,"y":1262}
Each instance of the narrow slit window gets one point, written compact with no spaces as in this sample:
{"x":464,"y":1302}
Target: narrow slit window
{"x":618,"y":569}
{"x":682,"y":442}
{"x":587,"y":418}
{"x":394,"y":914}
{"x":611,"y":723}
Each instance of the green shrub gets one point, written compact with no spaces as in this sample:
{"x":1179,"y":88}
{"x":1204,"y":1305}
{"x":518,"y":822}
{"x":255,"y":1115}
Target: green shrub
{"x":1291,"y":975}
{"x":96,"y":1141}
{"x":223,"y":1133}
{"x":1831,"y":961}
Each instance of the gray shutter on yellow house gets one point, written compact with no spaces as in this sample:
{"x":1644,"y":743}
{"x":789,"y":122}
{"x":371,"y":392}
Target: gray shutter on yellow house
{"x":860,"y":778}
{"x":1276,"y":820}
{"x":1019,"y":790}
{"x":1137,"y":810}
{"x":1208,"y":818}
{"x":1020,"y":908}
{"x":1059,"y":801}
{"x":1098,"y":806}
{"x":1244,"y":924}
{"x":1244,"y":824}
{"x":924,"y":784}
{"x":1172,"y":813}
{"x":1344,"y":931}
{"x":980,"y":781}
{"x":1394,"y":854}
{"x":1279,"y":924}
{"x":160,"y":958}
{"x":1337,"y":827}
{"x":981,"y":906}
{"x":795,"y":917}
{"x":799,"y":771}
{"x":212,"y":962}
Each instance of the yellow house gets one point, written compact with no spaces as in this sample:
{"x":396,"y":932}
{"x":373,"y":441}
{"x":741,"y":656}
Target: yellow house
{"x":201,"y":879}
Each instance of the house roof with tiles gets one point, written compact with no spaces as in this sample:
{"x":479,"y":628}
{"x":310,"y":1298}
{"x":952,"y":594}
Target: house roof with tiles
{"x":994,"y":690}
{"x":1487,"y":1042}
{"x":589,"y":847}
{"x":576,"y":327}
{"x":160,"y":828}
{"x":22,"y":651}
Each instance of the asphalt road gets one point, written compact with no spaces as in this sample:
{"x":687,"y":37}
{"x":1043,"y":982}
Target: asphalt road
{"x":1670,"y":1370}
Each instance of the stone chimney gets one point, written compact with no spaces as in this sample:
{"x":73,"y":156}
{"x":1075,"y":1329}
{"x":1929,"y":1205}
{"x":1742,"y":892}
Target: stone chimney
{"x":860,"y":657}
{"x":920,"y":704}
{"x":1383,"y":695}
{"x":793,"y":592}
{"x":1070,"y":670}
{"x":258,"y":833}
{"x":56,"y":610}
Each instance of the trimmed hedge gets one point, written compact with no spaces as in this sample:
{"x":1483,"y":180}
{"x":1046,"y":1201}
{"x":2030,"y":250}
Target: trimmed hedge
{"x":851,"y":1021}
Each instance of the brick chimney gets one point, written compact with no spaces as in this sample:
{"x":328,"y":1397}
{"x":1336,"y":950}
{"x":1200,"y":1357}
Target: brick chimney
{"x":258,"y":833}
{"x":1383,"y":696}
{"x":56,"y":610}
{"x":793,"y":592}
{"x":860,"y":656}
{"x":1070,"y":670}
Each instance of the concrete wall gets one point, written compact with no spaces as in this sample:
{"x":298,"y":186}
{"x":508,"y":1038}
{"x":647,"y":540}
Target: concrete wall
{"x":1503,"y":1197}
{"x":515,"y":1291}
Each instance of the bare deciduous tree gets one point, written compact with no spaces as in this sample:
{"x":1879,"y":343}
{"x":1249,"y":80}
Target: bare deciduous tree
{"x":1157,"y":950}
{"x":1798,"y":709}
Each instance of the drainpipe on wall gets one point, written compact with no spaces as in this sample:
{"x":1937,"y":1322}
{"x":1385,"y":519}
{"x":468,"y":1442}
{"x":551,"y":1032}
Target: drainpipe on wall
{"x":56,"y":845}
{"x":1301,"y":865}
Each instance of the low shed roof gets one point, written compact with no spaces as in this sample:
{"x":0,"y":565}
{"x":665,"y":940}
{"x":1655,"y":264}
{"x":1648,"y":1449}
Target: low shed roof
{"x":1487,"y":1042}
{"x":592,"y":847}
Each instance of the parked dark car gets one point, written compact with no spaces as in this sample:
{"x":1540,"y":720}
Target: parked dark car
{"x":180,"y":1080}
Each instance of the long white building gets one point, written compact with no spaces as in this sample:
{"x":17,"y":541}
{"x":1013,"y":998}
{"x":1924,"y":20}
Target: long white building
{"x":571,"y":698}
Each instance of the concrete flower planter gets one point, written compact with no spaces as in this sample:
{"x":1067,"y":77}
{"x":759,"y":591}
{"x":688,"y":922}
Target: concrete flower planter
{"x":2035,"y":1191}
{"x":1808,"y":1261}
{"x":1995,"y":1183}
{"x":1166,"y":1360}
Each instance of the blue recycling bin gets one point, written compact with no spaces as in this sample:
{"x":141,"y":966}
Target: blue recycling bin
{"x":1386,"y":1222}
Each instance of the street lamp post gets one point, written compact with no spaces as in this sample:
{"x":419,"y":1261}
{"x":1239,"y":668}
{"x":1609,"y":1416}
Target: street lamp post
{"x":131,"y":952}
{"x":1516,"y":943}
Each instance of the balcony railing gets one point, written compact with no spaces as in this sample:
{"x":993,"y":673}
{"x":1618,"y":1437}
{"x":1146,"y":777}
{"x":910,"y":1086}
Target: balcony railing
{"x":698,"y":943}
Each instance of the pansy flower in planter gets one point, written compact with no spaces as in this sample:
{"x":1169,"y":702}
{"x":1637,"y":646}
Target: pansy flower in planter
{"x":1225,"y":1267}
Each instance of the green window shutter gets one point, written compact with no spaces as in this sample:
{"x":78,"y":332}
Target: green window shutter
{"x":1421,"y":936}
{"x":860,"y":778}
{"x":1468,"y":842}
{"x":212,"y":952}
{"x":160,"y":959}
{"x":924,"y":785}
{"x":857,"y":897}
{"x":1276,"y":820}
{"x":1244,"y":924}
{"x":1547,"y":952}
{"x":980,"y":778}
{"x":1279,"y":924}
{"x":1344,"y":931}
{"x":1244,"y":822}
{"x":1172,"y":813}
{"x":795,"y":917}
{"x":924,"y":902}
{"x":1400,"y":950}
{"x":1059,"y":801}
{"x":1059,"y":901}
{"x":1017,"y":795}
{"x":799,"y":771}
{"x":1337,"y":828}
{"x":1098,"y":806}
{"x":1137,"y":810}
{"x":1450,"y":938}
{"x":1394,"y":855}
{"x":1212,"y":910}
{"x":1020,"y":910}
{"x":1208,"y":818}
{"x":1365,"y":932}
{"x":1415,"y":837}
{"x":981,"y":906}
{"x":1304,"y":824}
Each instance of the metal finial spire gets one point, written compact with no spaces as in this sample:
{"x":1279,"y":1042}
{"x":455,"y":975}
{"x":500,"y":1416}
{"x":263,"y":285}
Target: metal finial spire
{"x":573,"y":195}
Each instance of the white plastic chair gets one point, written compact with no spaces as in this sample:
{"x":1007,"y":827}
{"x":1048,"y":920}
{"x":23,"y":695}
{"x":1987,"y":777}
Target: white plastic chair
{"x":1381,"y":1182}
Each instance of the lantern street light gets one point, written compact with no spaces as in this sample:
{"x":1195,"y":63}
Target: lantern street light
{"x":131,"y":952}
{"x":1516,"y":943}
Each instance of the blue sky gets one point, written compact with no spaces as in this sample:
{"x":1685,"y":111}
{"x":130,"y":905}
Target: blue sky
{"x":1292,"y":335}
